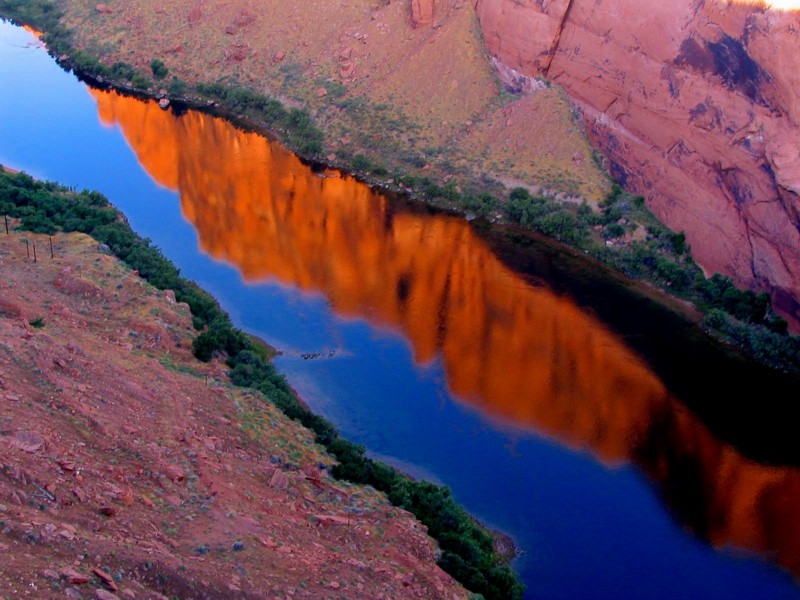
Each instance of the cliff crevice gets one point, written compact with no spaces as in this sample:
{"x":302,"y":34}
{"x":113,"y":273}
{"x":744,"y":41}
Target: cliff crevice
{"x":557,"y":39}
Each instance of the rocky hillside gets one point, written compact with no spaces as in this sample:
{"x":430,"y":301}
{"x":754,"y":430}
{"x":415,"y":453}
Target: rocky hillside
{"x":697,"y":103}
{"x":128,"y":469}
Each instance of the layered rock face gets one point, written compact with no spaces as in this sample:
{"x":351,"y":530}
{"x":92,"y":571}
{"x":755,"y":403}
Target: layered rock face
{"x":696,"y":103}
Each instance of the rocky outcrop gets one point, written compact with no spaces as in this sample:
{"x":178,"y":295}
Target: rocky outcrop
{"x":697,"y":105}
{"x":421,"y":12}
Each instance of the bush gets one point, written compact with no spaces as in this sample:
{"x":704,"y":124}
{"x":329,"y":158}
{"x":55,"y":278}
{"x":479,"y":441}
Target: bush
{"x":177,"y":87}
{"x":614,"y":230}
{"x":122,"y":70}
{"x":158,"y":68}
{"x":720,"y":292}
{"x":360,"y":163}
{"x":139,"y":81}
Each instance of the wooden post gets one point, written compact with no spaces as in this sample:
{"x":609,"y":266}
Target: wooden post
{"x":51,"y":247}
{"x":6,"y":218}
{"x":34,"y":251}
{"x":27,"y":249}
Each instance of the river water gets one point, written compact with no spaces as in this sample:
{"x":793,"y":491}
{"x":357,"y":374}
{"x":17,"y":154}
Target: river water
{"x":411,"y":332}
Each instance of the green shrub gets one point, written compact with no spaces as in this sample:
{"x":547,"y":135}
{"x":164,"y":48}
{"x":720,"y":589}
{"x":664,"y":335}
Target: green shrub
{"x":360,"y":163}
{"x":139,"y":81}
{"x":177,"y":87}
{"x":158,"y":68}
{"x":122,"y":70}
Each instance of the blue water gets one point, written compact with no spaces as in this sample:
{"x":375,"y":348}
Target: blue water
{"x":587,"y":530}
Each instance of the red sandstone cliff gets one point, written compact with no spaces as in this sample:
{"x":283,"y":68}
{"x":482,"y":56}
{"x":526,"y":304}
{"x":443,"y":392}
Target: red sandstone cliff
{"x":696,"y":103}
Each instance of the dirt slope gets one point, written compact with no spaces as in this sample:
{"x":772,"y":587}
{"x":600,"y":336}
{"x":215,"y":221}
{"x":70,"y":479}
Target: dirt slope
{"x":127,"y":466}
{"x":406,"y":83}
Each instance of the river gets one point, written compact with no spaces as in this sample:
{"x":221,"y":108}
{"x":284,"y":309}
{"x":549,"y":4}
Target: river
{"x":555,"y":411}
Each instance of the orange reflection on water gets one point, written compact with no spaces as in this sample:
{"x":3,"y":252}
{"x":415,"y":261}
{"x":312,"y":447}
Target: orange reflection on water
{"x":511,"y":348}
{"x":33,"y":31}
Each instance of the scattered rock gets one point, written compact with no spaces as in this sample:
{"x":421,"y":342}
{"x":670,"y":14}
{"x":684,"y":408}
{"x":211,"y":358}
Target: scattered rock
{"x":173,"y":500}
{"x":244,"y":18}
{"x":332,"y":520}
{"x":104,"y":595}
{"x":79,"y":494}
{"x":125,"y":497}
{"x":278,"y":56}
{"x":279,"y":480}
{"x":164,"y":103}
{"x":29,"y":441}
{"x":107,"y":580}
{"x":73,"y":577}
{"x":194,"y":15}
{"x":322,"y":92}
{"x":104,"y":9}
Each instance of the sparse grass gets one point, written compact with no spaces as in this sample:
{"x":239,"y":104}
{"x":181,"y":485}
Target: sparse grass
{"x":169,"y":363}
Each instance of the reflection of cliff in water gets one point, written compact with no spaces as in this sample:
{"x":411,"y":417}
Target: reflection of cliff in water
{"x":510,"y":348}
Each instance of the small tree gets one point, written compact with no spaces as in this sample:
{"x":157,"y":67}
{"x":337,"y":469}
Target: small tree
{"x":140,"y":81}
{"x":159,"y":68}
{"x":177,"y":87}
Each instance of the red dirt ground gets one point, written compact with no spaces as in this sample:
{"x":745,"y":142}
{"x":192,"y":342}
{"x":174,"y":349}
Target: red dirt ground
{"x":129,"y":468}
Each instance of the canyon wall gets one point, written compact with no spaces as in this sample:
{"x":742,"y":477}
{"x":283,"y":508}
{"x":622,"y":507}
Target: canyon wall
{"x":697,"y":105}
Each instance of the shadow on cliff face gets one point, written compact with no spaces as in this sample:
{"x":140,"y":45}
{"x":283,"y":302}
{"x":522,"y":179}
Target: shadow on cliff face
{"x":513,"y":345}
{"x":727,"y":59}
